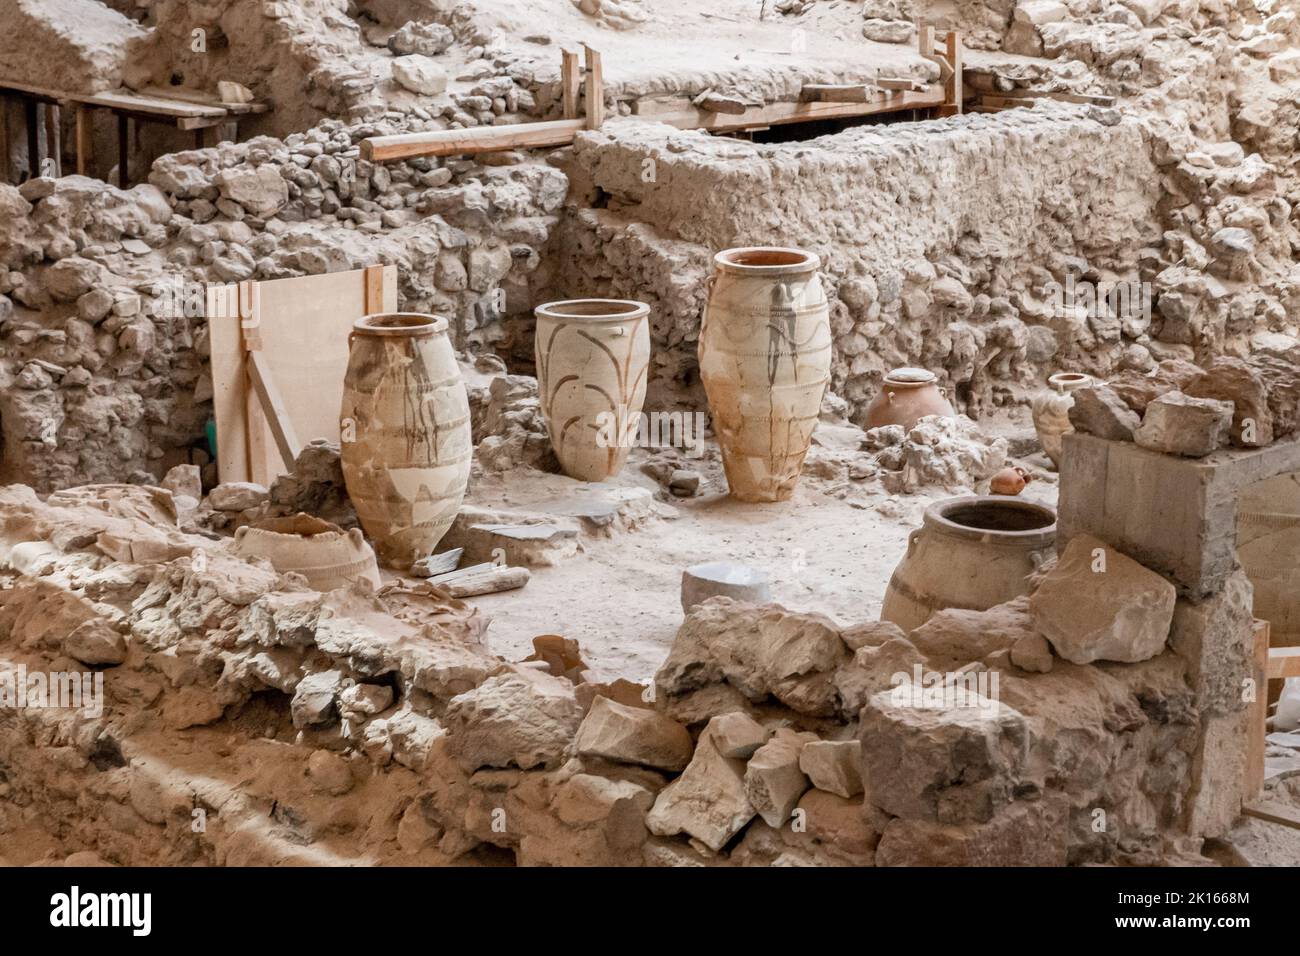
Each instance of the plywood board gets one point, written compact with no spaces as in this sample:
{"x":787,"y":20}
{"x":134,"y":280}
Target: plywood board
{"x":301,"y":326}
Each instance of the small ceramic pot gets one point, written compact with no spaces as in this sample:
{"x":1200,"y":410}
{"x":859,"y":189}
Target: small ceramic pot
{"x":1051,"y":410}
{"x":1009,"y":481}
{"x":906,"y":395}
{"x":323,"y":553}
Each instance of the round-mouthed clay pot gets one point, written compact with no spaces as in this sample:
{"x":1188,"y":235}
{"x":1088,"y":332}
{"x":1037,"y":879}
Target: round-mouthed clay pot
{"x":406,"y":442}
{"x":723,"y":579}
{"x":1051,"y":410}
{"x":765,"y":358}
{"x":905,"y":395}
{"x":593,"y":356}
{"x":971,"y":553}
{"x":322,"y":552}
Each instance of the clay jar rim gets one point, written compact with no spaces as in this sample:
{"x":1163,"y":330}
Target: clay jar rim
{"x":398,"y":324}
{"x":939,"y":516}
{"x":920,"y":378}
{"x":1068,"y":381}
{"x":767,"y":261}
{"x":592,"y":310}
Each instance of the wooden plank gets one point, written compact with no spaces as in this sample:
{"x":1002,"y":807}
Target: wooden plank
{"x":1273,"y":812}
{"x":479,"y":139}
{"x":1255,"y":745}
{"x":1061,"y":95}
{"x":595,"y":89}
{"x":203,"y":99}
{"x":277,"y":416}
{"x":900,"y":83}
{"x":570,"y":82}
{"x":122,"y":101}
{"x":776,"y":114}
{"x":303,"y":326}
{"x":952,"y":88}
{"x":1283,"y":662}
{"x":837,"y":92}
{"x":925,"y":39}
{"x":374,"y":292}
{"x":85,"y":140}
{"x":123,"y":150}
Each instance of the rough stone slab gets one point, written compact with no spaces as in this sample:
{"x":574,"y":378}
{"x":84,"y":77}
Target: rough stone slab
{"x":1230,"y":379}
{"x":773,"y":781}
{"x":833,"y":766}
{"x":520,"y":718}
{"x":707,"y":801}
{"x":738,"y":735}
{"x":1178,"y":424}
{"x":1176,"y":515}
{"x":633,"y":735}
{"x":1098,"y":410}
{"x":1026,"y":834}
{"x":1098,"y":604}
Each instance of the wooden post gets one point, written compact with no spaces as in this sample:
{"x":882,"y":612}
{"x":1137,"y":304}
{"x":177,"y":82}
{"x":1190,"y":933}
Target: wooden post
{"x":570,"y":81}
{"x":54,"y":136}
{"x":1258,"y":713}
{"x":123,"y":150}
{"x":595,"y":90}
{"x":952,"y":88}
{"x":85,"y":140}
{"x":925,"y":39}
{"x":33,"y":138}
{"x":374,"y":294}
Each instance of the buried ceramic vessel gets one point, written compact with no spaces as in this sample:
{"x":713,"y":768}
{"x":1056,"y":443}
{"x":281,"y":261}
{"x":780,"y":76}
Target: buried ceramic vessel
{"x":905,"y":395}
{"x":1051,"y":410}
{"x":970,"y":553}
{"x":593,"y":356}
{"x":322,"y":552}
{"x":765,"y":358}
{"x":406,"y":442}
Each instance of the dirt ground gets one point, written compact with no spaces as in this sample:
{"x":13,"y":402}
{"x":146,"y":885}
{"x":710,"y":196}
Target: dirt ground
{"x":831,"y":549}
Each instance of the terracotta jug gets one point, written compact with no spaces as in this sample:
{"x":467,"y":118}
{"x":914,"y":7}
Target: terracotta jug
{"x":406,"y":442}
{"x":971,"y":553}
{"x":1051,"y":410}
{"x":593,"y":356}
{"x":905,"y":395}
{"x":765,"y":357}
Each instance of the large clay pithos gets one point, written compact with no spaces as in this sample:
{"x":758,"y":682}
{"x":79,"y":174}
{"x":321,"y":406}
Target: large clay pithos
{"x":765,"y":357}
{"x":905,"y":395}
{"x":406,"y":442}
{"x":970,"y":553}
{"x":1051,"y":410}
{"x":593,"y":356}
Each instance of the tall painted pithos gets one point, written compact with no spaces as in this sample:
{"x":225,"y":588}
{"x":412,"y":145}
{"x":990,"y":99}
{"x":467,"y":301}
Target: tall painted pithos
{"x":593,"y":356}
{"x":765,"y":359}
{"x":406,"y":443}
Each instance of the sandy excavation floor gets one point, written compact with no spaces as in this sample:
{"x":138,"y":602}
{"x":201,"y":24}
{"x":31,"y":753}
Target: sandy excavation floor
{"x":620,"y":597}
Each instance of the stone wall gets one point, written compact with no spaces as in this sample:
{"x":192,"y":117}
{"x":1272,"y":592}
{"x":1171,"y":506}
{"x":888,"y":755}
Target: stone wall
{"x":102,"y":379}
{"x":948,"y":243}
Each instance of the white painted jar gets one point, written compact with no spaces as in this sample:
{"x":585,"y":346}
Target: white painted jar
{"x":406,"y":443}
{"x":593,"y":358}
{"x":765,"y":360}
{"x":1051,"y":410}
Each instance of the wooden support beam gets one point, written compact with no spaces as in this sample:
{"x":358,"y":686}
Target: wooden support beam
{"x":85,"y":140}
{"x":4,"y":138}
{"x":374,"y":294}
{"x":925,"y":39}
{"x":570,"y":83}
{"x":952,"y":88}
{"x":1283,"y":662}
{"x":900,"y":83}
{"x":54,"y":138}
{"x":1256,"y":745}
{"x":595,"y":89}
{"x":123,"y":150}
{"x":478,"y":139}
{"x":277,"y":417}
{"x":837,"y":92}
{"x":33,"y":138}
{"x":1273,"y":812}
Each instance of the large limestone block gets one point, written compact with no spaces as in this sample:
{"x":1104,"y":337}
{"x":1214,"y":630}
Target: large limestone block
{"x":773,"y":781}
{"x":1230,"y":379}
{"x":80,"y":46}
{"x":419,"y":74}
{"x":833,"y":766}
{"x":1098,"y":410}
{"x":1100,"y":605}
{"x":1178,"y":424}
{"x":633,"y":735}
{"x":1025,"y":834}
{"x":946,"y":764}
{"x":708,"y":801}
{"x":1216,"y":639}
{"x":761,"y":651}
{"x":519,"y":718}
